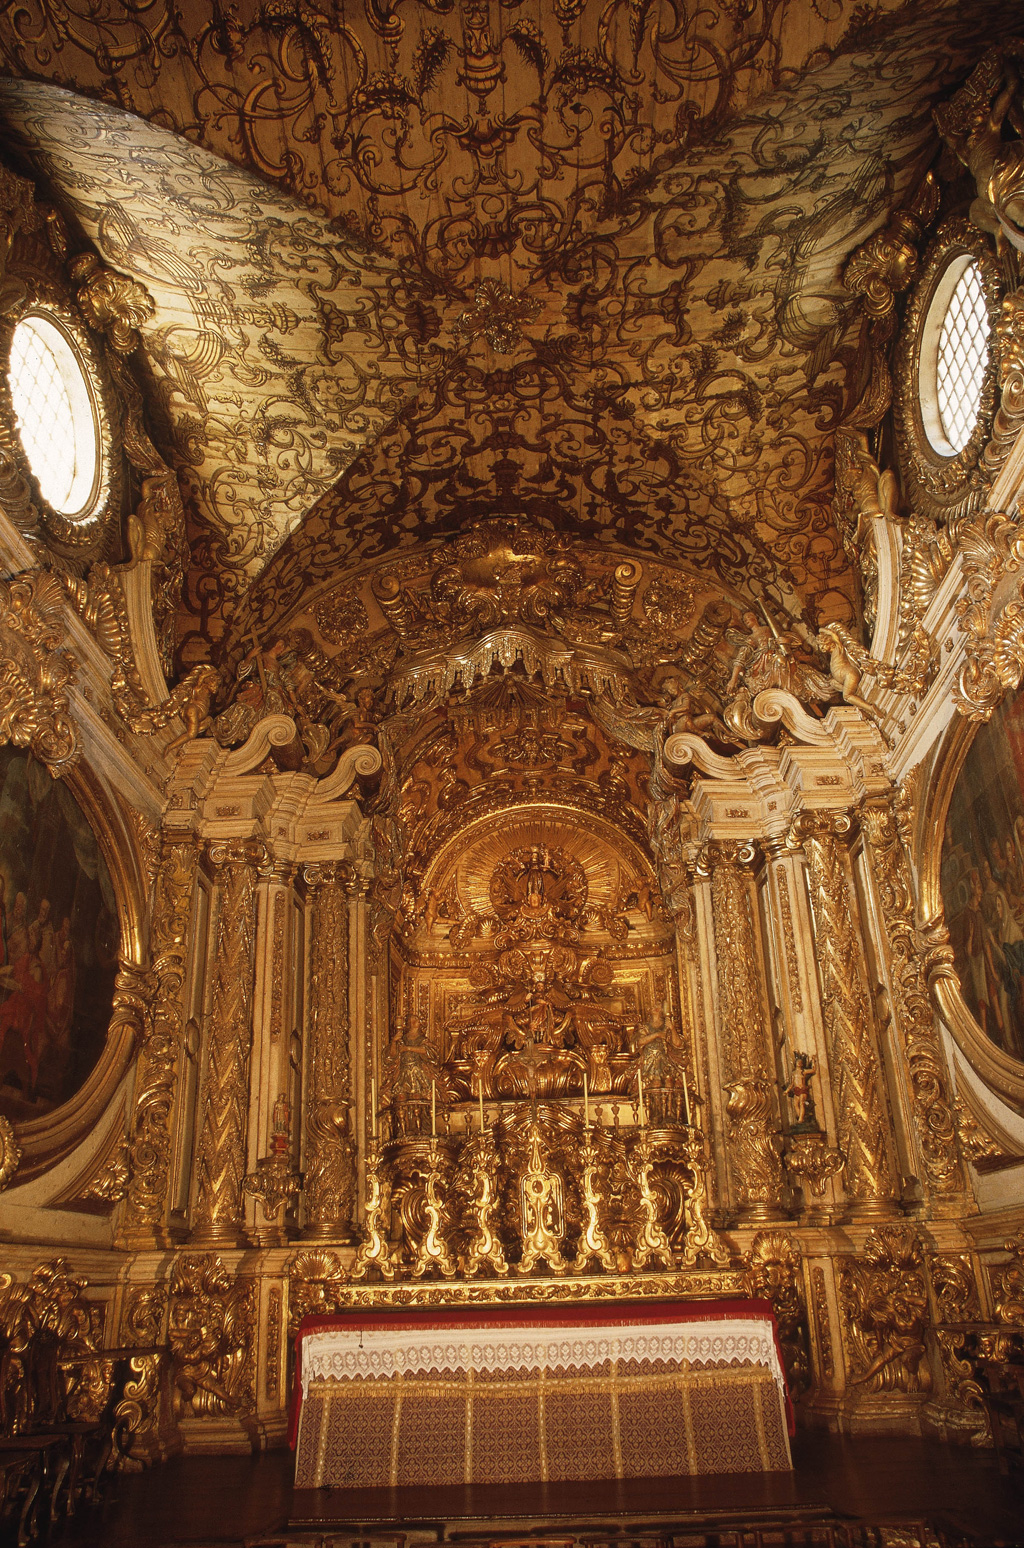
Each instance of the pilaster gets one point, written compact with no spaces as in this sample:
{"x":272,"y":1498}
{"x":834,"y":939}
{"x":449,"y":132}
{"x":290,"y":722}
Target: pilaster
{"x":224,"y":1101}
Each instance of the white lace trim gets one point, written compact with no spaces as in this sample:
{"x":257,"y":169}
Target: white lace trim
{"x":345,"y":1354}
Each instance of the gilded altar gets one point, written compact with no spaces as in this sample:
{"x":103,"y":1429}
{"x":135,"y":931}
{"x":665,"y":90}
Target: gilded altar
{"x":513,"y":914}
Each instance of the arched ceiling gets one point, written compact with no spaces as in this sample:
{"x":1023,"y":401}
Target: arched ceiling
{"x":320,"y":191}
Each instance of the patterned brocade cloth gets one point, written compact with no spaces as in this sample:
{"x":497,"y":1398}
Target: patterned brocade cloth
{"x":517,"y":1395}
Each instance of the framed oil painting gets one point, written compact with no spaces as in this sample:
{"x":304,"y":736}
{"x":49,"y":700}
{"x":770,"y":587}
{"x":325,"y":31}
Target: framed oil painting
{"x":983,"y":877}
{"x":59,"y":941}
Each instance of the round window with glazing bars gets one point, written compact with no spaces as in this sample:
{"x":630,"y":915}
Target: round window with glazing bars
{"x":56,"y":415}
{"x":954,"y":356}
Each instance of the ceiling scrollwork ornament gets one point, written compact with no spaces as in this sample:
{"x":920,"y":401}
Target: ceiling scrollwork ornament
{"x":36,"y":670}
{"x":880,"y":270}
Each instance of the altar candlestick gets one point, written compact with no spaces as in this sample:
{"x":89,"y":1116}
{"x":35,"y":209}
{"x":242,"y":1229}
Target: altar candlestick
{"x":433,"y":1109}
{"x":586,"y":1101}
{"x":640,"y":1100}
{"x":373,"y":1107}
{"x":480,"y":1094}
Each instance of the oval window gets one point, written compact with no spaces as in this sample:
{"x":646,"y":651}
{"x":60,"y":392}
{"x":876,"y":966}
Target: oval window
{"x":954,"y":356}
{"x":56,"y":415}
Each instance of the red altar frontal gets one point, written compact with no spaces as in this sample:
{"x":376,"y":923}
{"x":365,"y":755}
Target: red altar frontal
{"x":527,"y":1393}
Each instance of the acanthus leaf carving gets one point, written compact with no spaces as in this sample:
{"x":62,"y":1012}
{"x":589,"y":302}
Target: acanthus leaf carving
{"x":36,"y":670}
{"x":914,"y":1018}
{"x":163,"y":1043}
{"x":211,"y":1329}
{"x":886,"y":1305}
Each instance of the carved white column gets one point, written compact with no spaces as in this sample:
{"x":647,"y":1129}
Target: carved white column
{"x":700,"y":967}
{"x":754,"y":1149}
{"x":790,"y":929}
{"x":270,"y":1077}
{"x":328,"y":1153}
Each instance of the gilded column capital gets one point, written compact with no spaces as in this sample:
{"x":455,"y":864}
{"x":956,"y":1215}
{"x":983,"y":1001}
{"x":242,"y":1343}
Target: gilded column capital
{"x":737,"y":854}
{"x":326,"y":873}
{"x":782,"y":846}
{"x":821,"y":824}
{"x":271,"y":868}
{"x":225,"y":855}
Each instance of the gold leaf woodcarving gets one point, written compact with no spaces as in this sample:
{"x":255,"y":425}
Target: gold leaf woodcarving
{"x":36,"y":670}
{"x":10,"y":1153}
{"x":915,"y":1020}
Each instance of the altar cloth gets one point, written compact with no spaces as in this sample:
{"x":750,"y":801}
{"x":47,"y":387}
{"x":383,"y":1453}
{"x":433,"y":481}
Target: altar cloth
{"x":504,"y":1394}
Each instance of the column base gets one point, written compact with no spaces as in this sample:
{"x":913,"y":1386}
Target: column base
{"x":328,"y":1233}
{"x":220,"y":1435}
{"x":211,"y":1238}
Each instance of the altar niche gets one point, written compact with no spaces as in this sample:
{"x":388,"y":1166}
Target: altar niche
{"x":535,"y":1108}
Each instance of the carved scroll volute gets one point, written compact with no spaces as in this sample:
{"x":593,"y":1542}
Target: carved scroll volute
{"x":755,"y":1147}
{"x":912,"y":1020}
{"x":857,"y":1082}
{"x":221,"y":1160}
{"x":328,"y":1163}
{"x":35,"y":670}
{"x":147,"y":1207}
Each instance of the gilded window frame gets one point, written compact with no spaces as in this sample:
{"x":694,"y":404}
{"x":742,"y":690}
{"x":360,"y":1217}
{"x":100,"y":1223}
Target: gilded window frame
{"x":939,"y":486}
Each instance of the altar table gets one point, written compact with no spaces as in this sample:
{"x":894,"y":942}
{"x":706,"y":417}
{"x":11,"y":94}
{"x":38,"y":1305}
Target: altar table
{"x":517,"y":1394}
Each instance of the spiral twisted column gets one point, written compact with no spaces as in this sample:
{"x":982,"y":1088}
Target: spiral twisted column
{"x":224,"y":1105}
{"x":864,"y":1127}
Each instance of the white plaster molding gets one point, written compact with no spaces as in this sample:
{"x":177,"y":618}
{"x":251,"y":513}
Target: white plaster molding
{"x":889,"y":554}
{"x":361,"y":761}
{"x":137,"y":585}
{"x":271,"y":731}
{"x":759,"y":790}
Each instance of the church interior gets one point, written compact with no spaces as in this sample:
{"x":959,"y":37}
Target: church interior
{"x":511,"y":772}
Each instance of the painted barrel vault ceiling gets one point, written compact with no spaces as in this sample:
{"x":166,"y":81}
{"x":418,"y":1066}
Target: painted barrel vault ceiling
{"x":420,"y":261}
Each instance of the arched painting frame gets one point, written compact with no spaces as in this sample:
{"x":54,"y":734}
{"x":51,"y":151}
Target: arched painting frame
{"x":974,"y":800}
{"x":46,"y":1136}
{"x":59,"y":941}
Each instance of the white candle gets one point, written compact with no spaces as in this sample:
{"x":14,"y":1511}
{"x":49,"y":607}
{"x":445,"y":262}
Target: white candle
{"x":586,"y":1101}
{"x":640,"y":1099}
{"x":480,"y":1093}
{"x":373,"y":1106}
{"x":686,"y":1101}
{"x":433,"y":1109}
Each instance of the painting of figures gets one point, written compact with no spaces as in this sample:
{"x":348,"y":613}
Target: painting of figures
{"x":983,"y":877}
{"x":58,"y":940}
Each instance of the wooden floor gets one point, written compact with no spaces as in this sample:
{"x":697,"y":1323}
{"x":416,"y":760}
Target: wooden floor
{"x":836,"y":1487}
